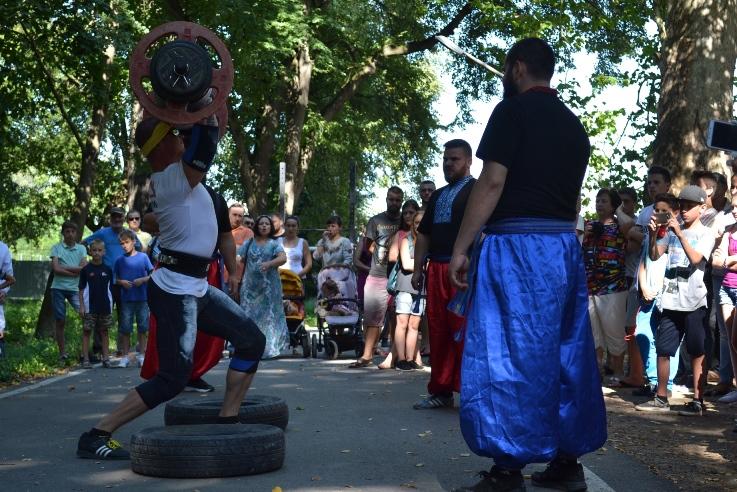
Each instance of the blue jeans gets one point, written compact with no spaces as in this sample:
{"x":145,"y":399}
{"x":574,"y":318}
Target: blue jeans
{"x":59,"y":305}
{"x":131,"y":310}
{"x":177,"y":320}
{"x":647,"y":321}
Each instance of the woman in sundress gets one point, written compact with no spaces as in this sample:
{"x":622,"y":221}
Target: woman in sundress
{"x":261,"y":294}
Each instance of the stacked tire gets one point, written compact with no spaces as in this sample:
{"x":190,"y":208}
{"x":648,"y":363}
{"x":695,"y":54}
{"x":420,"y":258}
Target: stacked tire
{"x":193,"y":445}
{"x":206,"y":451}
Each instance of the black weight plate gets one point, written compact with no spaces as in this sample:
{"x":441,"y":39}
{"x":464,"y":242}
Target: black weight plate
{"x":181,"y":71}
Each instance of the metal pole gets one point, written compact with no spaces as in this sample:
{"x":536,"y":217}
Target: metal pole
{"x":282,"y":187}
{"x":352,"y":199}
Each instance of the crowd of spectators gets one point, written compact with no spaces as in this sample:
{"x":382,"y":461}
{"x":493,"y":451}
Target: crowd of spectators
{"x":662,"y":282}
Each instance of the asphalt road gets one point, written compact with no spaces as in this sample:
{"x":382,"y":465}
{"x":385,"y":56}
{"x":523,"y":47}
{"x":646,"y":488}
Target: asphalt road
{"x":348,"y":430}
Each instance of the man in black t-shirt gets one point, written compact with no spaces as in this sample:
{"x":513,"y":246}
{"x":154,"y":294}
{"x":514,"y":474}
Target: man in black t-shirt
{"x":530,"y":388}
{"x":436,"y":234}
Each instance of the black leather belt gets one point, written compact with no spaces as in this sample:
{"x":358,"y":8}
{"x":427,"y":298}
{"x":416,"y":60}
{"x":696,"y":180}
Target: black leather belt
{"x":186,"y":264}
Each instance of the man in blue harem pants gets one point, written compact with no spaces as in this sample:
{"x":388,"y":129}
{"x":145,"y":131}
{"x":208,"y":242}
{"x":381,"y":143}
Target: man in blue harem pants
{"x":530,"y":388}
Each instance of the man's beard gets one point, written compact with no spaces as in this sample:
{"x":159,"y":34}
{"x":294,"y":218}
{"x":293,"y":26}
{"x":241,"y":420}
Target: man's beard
{"x":510,"y":89}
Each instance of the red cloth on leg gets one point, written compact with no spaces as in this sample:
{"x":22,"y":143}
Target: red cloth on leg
{"x":445,"y":352}
{"x":208,"y":349}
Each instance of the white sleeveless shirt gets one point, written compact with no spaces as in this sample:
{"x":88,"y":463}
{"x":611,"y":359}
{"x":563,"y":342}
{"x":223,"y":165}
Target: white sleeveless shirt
{"x":294,"y":255}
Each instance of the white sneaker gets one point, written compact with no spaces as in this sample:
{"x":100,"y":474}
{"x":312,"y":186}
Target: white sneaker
{"x":730,"y":397}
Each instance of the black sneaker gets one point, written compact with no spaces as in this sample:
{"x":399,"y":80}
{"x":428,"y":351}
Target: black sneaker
{"x":646,"y":391}
{"x":404,"y":365}
{"x":100,"y":448}
{"x":497,"y":480}
{"x":199,"y":385}
{"x":562,"y":476}
{"x":692,"y":409}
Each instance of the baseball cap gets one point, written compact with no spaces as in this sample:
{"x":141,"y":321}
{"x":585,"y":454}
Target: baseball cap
{"x":117,"y":211}
{"x":692,"y":193}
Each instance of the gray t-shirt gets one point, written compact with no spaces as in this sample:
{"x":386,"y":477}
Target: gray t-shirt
{"x":380,"y":229}
{"x":683,"y":287}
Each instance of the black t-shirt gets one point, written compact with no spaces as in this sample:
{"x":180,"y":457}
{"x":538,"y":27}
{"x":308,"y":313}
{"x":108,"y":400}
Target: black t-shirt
{"x":221,"y":212}
{"x":95,"y":282}
{"x":545,"y":149}
{"x":435,"y":224}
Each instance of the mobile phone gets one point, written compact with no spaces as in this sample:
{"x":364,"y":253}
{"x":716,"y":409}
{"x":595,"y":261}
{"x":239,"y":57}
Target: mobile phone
{"x":722,"y":135}
{"x":661,"y":218}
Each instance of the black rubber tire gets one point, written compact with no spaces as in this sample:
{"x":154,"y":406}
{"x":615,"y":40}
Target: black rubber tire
{"x":305,"y":342}
{"x":205,"y":451}
{"x":331,"y":349}
{"x":314,"y":346}
{"x":256,"y":409}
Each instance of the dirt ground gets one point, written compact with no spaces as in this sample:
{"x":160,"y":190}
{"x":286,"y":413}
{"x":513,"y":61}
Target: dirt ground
{"x":696,"y":454}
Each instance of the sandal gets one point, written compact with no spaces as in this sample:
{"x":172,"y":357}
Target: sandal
{"x":360,"y":364}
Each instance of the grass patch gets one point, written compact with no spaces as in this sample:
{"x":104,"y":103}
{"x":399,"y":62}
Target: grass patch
{"x":27,"y":357}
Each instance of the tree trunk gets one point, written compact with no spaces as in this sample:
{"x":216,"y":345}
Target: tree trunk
{"x":255,"y":167}
{"x":91,"y":150}
{"x":45,"y":325}
{"x":697,"y":62}
{"x":85,"y":185}
{"x":300,"y":92}
{"x":136,"y":181}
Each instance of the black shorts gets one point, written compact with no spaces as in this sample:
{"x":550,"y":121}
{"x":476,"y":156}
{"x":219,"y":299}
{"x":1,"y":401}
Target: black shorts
{"x":672,"y":328}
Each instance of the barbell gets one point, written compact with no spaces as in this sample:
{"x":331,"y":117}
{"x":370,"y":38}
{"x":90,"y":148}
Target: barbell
{"x":181,"y":72}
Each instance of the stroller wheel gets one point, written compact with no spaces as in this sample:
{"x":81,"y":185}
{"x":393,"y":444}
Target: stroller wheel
{"x":314,"y":346}
{"x":331,"y":349}
{"x":305,"y":342}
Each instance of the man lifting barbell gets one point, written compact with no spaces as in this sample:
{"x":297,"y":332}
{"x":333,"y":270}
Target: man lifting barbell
{"x":179,"y":295}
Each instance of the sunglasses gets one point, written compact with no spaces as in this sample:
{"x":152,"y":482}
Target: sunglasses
{"x":248,"y":223}
{"x":133,"y":218}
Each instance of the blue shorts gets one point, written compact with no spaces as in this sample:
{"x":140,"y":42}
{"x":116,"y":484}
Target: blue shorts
{"x":727,"y":296}
{"x":58,"y":302}
{"x":130,"y":310}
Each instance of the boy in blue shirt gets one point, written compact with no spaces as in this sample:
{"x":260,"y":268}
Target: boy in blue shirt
{"x":96,"y":306}
{"x":132,"y":271}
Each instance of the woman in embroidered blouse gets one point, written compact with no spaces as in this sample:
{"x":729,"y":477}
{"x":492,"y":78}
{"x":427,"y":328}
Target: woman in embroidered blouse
{"x":261,"y":294}
{"x":299,"y":259}
{"x":332,"y":248}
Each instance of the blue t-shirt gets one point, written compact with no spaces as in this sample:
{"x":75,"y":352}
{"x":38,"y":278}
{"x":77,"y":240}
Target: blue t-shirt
{"x":95,"y":282}
{"x":113,"y":249}
{"x":131,"y":268}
